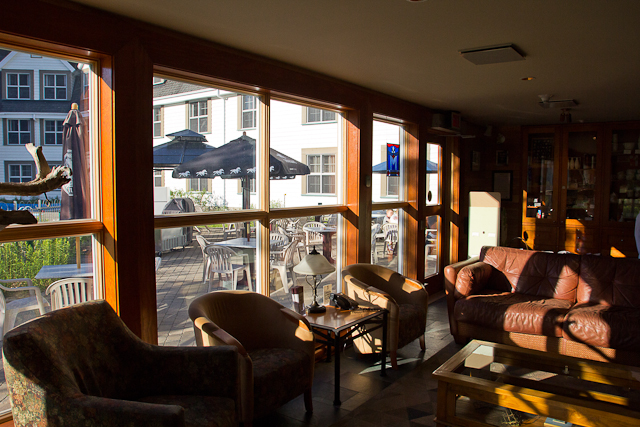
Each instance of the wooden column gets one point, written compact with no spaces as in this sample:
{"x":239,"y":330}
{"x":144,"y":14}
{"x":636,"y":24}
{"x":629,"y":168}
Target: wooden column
{"x":133,"y":286}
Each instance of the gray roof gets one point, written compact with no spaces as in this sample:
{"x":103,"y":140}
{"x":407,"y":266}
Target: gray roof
{"x":173,"y":87}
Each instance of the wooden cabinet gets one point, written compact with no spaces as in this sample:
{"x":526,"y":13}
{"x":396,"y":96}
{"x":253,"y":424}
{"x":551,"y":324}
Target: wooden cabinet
{"x":582,"y":187}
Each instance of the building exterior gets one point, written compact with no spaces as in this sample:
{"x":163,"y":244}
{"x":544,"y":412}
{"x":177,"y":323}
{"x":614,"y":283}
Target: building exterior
{"x":36,"y":95}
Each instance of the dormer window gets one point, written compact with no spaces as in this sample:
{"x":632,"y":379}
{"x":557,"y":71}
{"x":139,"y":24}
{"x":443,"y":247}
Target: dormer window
{"x":18,"y":85}
{"x":55,"y":86}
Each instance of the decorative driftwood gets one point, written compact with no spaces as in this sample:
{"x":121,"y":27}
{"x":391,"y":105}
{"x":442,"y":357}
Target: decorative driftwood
{"x":47,"y":179}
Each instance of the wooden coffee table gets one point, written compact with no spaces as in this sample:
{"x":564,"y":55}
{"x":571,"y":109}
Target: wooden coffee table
{"x":484,"y":379}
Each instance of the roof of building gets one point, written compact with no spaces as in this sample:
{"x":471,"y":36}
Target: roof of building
{"x":174,"y":87}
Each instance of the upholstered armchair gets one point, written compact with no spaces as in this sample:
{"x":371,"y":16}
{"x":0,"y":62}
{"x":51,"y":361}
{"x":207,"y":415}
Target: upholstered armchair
{"x":406,"y":300}
{"x":80,"y":366}
{"x":276,"y":343}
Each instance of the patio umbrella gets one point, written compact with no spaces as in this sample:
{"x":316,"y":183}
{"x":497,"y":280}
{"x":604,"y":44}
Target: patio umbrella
{"x":74,"y":198}
{"x":186,"y":145}
{"x":237,"y":160}
{"x":432,"y":167}
{"x":75,"y":195}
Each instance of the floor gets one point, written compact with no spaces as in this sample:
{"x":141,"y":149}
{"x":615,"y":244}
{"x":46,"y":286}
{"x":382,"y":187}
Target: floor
{"x":406,"y":397}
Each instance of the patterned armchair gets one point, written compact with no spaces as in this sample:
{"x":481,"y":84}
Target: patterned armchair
{"x":406,"y":300}
{"x":81,"y":366}
{"x":276,"y":343}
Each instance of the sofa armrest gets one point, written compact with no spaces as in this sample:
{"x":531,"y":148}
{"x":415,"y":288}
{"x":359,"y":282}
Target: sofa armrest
{"x":100,"y":411}
{"x":472,"y":279}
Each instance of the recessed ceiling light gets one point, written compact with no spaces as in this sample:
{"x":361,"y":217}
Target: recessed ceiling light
{"x":526,"y":79}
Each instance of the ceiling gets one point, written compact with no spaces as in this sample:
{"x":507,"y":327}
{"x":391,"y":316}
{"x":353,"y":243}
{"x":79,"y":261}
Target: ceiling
{"x":587,"y":50}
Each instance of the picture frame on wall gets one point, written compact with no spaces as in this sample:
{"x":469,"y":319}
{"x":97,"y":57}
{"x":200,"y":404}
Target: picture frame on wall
{"x":503,"y":184}
{"x":502,"y":158}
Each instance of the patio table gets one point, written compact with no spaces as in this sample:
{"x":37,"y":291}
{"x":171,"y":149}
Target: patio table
{"x":327,"y":235}
{"x":65,"y":270}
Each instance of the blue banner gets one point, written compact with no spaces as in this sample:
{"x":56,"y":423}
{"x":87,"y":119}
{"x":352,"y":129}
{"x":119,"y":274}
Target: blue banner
{"x":393,"y":159}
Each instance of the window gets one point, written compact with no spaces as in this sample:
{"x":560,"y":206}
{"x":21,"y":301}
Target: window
{"x":157,"y":122}
{"x":199,"y":184}
{"x":322,"y":177}
{"x":198,"y":117}
{"x":53,"y":132}
{"x":85,"y":85}
{"x":55,"y":86}
{"x":158,"y":178}
{"x":18,"y":132}
{"x":392,"y":185}
{"x":18,"y":85}
{"x":20,"y":173}
{"x":249,"y":110}
{"x":316,"y":115}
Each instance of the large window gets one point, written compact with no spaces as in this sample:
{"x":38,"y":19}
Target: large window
{"x":18,"y":85}
{"x":18,"y":131}
{"x":39,"y":260}
{"x":198,"y":117}
{"x":53,"y":132}
{"x":55,"y":86}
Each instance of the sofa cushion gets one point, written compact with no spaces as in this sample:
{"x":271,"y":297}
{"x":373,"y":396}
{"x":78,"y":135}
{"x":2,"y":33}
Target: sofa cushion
{"x":609,"y":281}
{"x":201,"y":411}
{"x":279,"y":375}
{"x":514,"y":312}
{"x":541,"y":274}
{"x":602,"y":325}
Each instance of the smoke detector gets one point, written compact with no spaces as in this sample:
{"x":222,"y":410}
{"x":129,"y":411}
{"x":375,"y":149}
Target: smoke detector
{"x":547,"y":102}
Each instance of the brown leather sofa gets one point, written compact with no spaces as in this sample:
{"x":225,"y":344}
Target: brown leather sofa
{"x":586,"y":306}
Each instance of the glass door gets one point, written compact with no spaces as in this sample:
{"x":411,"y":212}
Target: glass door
{"x":541,"y":154}
{"x":624,"y":190}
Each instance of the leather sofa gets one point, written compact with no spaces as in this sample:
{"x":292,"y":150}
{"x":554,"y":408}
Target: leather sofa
{"x":586,"y":306}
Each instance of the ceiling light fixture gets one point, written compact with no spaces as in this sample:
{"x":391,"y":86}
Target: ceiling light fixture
{"x":492,"y":54}
{"x":528,"y":79}
{"x":547,"y":102}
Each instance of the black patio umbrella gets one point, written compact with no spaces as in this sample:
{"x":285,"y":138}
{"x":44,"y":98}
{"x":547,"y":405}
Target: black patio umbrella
{"x":75,"y":201}
{"x":186,"y":145}
{"x":237,"y":160}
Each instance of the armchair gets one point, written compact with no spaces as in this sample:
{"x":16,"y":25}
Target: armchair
{"x":276,"y":345}
{"x":406,"y":300}
{"x":81,"y":365}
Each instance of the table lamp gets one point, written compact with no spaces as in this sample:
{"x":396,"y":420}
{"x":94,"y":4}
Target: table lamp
{"x":314,"y":265}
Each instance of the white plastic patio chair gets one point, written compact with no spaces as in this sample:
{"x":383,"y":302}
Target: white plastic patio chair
{"x":390,"y":231}
{"x":205,"y":261}
{"x":375,"y":228}
{"x":71,"y":291}
{"x":286,"y":264}
{"x":313,"y":237}
{"x":9,"y":310}
{"x":224,"y":260}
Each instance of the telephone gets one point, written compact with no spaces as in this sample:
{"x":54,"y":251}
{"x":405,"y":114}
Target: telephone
{"x":340,"y":300}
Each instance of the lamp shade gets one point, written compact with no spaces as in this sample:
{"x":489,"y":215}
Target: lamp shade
{"x":314,"y":264}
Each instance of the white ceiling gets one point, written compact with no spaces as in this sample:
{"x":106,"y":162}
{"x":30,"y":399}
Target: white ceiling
{"x":588,"y":50}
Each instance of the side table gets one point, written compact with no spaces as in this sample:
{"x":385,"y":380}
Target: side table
{"x":335,"y":327}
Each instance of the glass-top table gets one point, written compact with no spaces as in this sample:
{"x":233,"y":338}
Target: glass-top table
{"x":489,"y":384}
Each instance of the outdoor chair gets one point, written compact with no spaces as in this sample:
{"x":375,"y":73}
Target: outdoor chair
{"x":312,"y":237}
{"x":81,"y":366}
{"x":276,"y":345}
{"x":406,"y":299}
{"x":278,"y":242}
{"x":390,"y":232}
{"x":66,"y":292}
{"x":9,"y":310}
{"x":205,"y":266}
{"x":375,"y":228}
{"x":224,"y":260}
{"x":286,"y":264}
